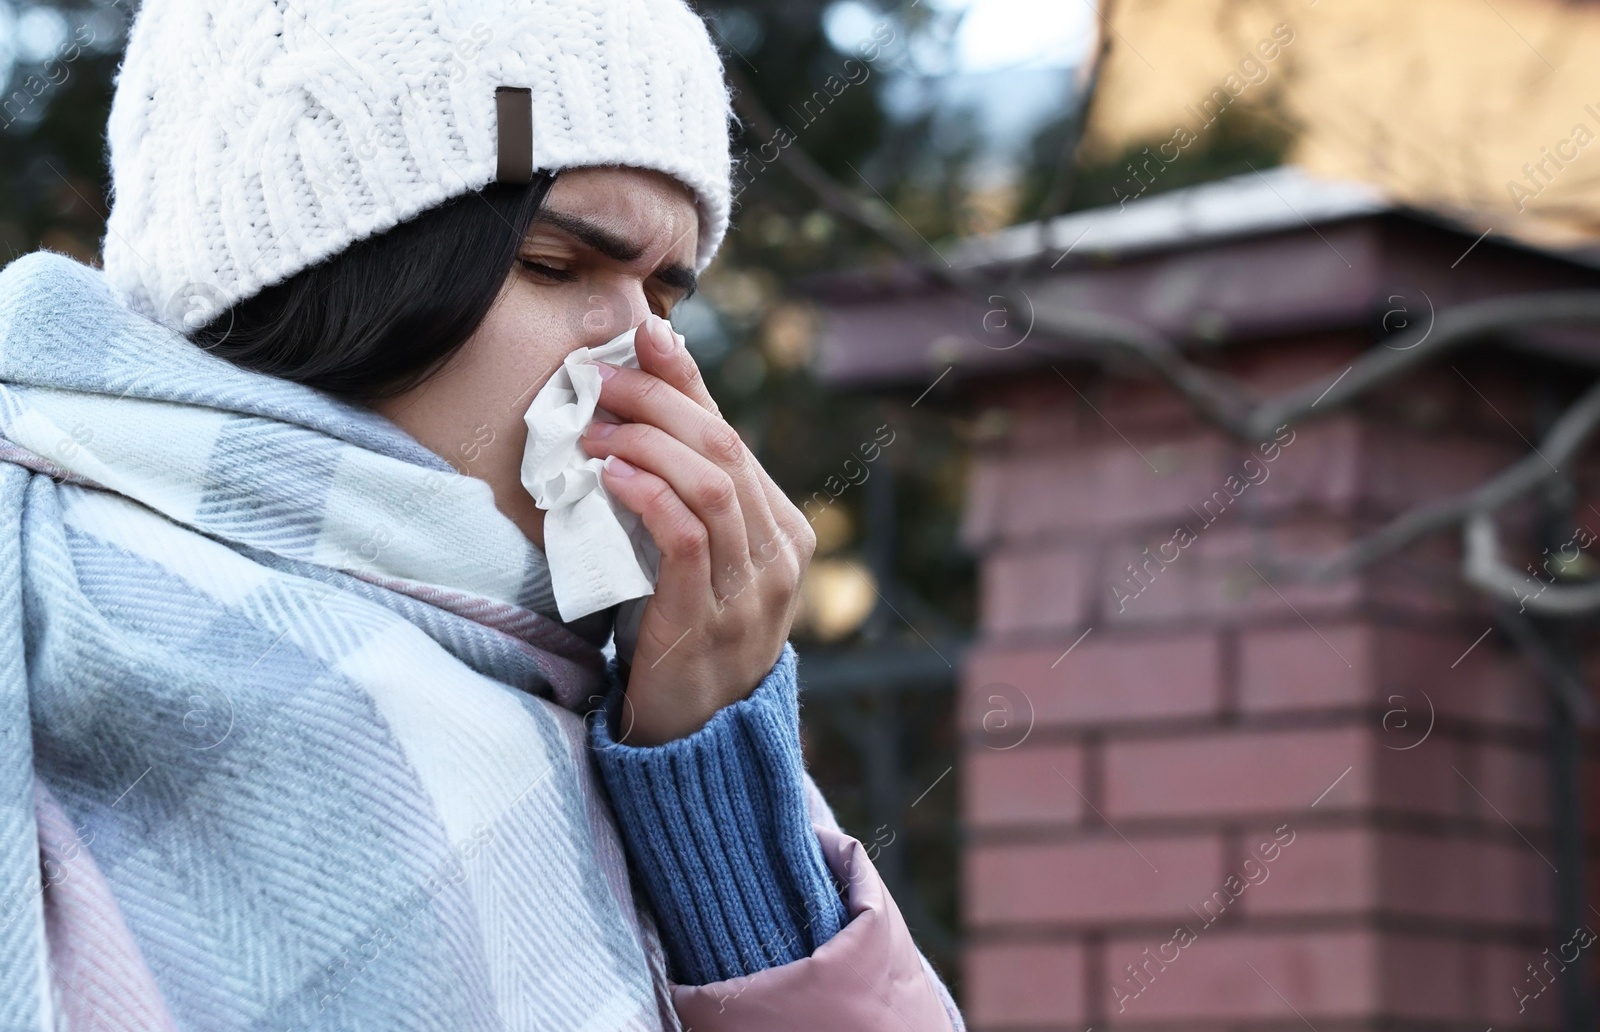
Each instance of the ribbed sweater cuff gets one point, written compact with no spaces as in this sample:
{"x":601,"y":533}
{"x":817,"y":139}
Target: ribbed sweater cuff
{"x":718,"y":830}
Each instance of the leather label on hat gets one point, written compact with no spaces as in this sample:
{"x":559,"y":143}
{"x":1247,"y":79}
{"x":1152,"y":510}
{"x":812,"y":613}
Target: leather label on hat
{"x":514,"y":115}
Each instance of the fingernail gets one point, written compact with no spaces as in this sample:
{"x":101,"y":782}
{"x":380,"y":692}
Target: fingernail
{"x":661,"y":334}
{"x":617,"y":468}
{"x":600,"y":429}
{"x":606,"y":371}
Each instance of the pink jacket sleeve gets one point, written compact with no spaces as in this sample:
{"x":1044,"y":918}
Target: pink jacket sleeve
{"x":868,"y":977}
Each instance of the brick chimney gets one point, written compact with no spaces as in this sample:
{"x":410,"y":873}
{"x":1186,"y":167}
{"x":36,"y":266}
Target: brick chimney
{"x":1198,"y":792}
{"x":1240,"y":801}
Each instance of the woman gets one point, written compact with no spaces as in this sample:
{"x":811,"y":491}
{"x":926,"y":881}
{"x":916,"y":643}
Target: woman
{"x":295,"y":737}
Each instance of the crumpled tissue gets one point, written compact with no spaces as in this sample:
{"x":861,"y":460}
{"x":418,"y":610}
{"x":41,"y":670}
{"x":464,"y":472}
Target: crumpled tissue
{"x":599,"y":553}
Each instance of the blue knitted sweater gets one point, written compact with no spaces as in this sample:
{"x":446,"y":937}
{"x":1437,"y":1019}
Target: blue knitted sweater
{"x":717,"y":829}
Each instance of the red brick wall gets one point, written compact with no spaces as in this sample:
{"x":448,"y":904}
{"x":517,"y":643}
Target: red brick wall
{"x":1215,"y":714}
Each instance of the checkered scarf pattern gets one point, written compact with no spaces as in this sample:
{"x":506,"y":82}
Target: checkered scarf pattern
{"x":289,"y":738}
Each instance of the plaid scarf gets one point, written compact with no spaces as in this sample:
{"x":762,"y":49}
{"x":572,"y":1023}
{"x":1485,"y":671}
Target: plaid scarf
{"x":291,"y":737}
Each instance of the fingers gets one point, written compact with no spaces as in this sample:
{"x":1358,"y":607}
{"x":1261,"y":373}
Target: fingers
{"x":636,"y":396}
{"x":791,"y":523}
{"x":677,"y":532}
{"x":708,"y":491}
{"x":662,"y":354}
{"x":668,"y":392}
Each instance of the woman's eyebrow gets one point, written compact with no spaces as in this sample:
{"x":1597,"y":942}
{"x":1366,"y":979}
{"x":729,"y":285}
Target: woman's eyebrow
{"x":603,"y":240}
{"x":677,"y":276}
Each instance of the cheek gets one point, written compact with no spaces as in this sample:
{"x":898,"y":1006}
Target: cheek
{"x":523,"y":339}
{"x":470,"y":412}
{"x":490,"y":382}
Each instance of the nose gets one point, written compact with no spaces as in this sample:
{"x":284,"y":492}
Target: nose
{"x":614,"y":307}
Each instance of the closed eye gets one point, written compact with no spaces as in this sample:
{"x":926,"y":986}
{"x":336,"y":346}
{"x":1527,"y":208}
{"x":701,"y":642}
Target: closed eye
{"x":547,"y":271}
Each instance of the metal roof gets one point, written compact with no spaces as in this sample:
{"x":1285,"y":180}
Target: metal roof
{"x":1265,"y":255}
{"x":1285,"y":197}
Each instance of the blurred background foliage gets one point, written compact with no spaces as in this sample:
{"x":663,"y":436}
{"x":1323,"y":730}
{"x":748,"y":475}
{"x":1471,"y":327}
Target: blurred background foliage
{"x":958,"y":134}
{"x":955,"y":113}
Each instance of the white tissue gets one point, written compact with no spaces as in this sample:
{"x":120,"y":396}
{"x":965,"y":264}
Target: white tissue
{"x":599,"y":553}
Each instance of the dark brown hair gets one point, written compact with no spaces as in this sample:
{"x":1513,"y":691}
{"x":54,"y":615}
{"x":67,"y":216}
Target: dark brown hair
{"x":385,"y":313}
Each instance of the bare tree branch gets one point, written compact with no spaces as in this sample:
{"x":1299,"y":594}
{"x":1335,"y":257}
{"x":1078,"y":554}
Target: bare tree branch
{"x":1228,"y":403}
{"x":1482,"y":567}
{"x":1571,"y":692}
{"x":1464,"y":324}
{"x":764,"y":128}
{"x":1059,"y":191}
{"x":1559,"y":447}
{"x":1219,"y":398}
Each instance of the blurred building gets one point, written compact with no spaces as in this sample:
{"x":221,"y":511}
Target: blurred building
{"x":1198,"y":792}
{"x":1445,"y":104}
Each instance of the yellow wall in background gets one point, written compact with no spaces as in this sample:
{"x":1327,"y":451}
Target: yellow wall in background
{"x":1441,"y":102}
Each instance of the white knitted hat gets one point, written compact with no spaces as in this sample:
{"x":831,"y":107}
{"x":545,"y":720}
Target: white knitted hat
{"x":250,"y":139}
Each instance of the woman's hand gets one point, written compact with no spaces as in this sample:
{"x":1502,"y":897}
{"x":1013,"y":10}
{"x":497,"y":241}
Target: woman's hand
{"x":733,"y":547}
